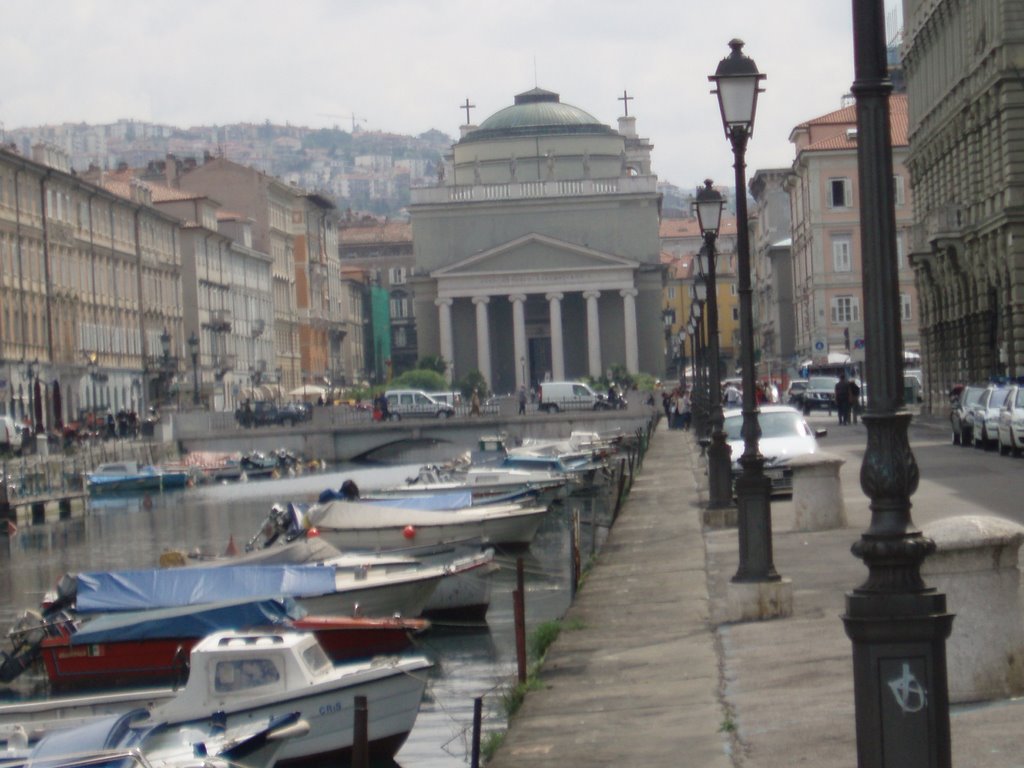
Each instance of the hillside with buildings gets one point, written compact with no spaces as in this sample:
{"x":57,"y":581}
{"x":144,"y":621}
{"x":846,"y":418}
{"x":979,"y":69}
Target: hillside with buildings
{"x":365,"y":171}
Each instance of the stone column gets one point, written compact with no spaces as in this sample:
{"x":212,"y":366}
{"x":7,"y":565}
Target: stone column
{"x":483,"y":339}
{"x":557,"y":347}
{"x":444,"y":326}
{"x":593,"y":334}
{"x":629,"y":311}
{"x":519,"y":337}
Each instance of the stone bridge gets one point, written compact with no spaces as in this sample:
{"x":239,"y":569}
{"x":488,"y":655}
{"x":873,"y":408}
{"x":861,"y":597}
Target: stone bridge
{"x":339,"y":434}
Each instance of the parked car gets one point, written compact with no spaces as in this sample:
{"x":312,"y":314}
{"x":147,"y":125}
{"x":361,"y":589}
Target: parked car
{"x":293,"y":413}
{"x":256,"y":413}
{"x":558,"y":396}
{"x":820,"y":394}
{"x":785,"y":434}
{"x":1011,"y":422}
{"x":986,"y":416}
{"x":795,"y":392}
{"x":961,"y":416}
{"x":405,"y":403}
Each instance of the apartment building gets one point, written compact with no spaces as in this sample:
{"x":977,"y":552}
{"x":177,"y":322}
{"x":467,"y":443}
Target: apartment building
{"x":772,"y":274}
{"x":91,"y":295}
{"x":966,"y":125}
{"x":826,"y":247}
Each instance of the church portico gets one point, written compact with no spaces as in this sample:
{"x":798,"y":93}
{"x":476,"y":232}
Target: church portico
{"x":519,"y":318}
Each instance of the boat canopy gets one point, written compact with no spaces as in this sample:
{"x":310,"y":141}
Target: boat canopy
{"x":185,"y":621}
{"x":138,"y":590}
{"x":446,"y":500}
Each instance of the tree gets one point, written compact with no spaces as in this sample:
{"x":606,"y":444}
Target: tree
{"x":420,"y":378}
{"x":474,"y":380}
{"x":432,"y":363}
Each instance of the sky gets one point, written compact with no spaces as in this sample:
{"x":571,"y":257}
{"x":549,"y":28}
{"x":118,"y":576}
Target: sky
{"x":406,"y":66}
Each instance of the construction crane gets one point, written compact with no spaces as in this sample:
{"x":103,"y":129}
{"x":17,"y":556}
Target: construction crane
{"x":352,"y":116}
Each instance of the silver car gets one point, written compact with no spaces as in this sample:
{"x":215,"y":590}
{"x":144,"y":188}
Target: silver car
{"x":1011,"y":422}
{"x":785,"y":434}
{"x":986,"y":416}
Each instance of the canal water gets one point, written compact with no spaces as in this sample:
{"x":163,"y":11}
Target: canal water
{"x":470,"y":661}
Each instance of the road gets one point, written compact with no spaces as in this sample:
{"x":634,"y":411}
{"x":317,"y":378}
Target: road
{"x":973,"y":477}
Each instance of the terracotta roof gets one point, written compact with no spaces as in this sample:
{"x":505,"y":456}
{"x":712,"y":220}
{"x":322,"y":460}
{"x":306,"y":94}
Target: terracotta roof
{"x":392,"y":232}
{"x":898,"y":118}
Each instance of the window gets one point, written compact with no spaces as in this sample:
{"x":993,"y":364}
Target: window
{"x":396,"y":275}
{"x":906,"y":309}
{"x":736,"y":314}
{"x":845,"y":309}
{"x":899,"y":250}
{"x":841,"y":259}
{"x":399,"y":306}
{"x":840,"y":193}
{"x":897,"y":184}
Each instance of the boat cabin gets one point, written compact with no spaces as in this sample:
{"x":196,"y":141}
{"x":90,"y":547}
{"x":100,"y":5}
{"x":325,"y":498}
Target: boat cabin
{"x":232,"y":666}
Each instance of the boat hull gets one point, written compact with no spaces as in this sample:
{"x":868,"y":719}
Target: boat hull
{"x":130,"y":664}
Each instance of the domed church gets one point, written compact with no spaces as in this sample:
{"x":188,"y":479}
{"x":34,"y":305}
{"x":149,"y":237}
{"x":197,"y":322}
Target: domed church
{"x":537,"y":252}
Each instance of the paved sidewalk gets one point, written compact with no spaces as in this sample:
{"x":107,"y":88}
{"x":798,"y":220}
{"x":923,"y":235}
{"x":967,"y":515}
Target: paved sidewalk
{"x":649,"y":681}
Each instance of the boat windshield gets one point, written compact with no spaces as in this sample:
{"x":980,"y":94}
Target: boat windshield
{"x":315,"y":658}
{"x":243,"y":674}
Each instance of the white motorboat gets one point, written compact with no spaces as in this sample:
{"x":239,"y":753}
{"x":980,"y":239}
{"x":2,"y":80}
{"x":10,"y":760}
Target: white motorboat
{"x":241,"y":682}
{"x":367,"y":525}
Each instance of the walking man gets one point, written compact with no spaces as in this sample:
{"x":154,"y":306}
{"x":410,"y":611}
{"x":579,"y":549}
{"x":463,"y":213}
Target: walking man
{"x":522,"y":400}
{"x":842,"y":395}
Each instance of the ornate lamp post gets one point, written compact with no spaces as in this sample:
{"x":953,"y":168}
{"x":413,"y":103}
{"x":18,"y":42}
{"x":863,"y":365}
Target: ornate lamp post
{"x":193,"y":348}
{"x":737,"y":83}
{"x":709,"y":214}
{"x":700,"y":399}
{"x":165,"y":366}
{"x":898,"y":625}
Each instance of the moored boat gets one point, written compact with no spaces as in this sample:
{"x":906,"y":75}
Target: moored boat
{"x":130,"y":476}
{"x":138,"y":648}
{"x":237,"y":679}
{"x":366,"y":525}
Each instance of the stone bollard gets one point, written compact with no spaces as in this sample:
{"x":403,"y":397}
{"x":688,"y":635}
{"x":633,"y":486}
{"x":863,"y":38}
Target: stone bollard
{"x":975,"y":564}
{"x":817,"y":492}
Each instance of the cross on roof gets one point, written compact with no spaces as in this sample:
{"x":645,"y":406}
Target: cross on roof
{"x":625,"y":99}
{"x":467,"y":106}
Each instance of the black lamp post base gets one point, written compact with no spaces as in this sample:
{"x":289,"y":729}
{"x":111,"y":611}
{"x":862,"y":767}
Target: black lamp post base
{"x":899,"y":676}
{"x":753,"y":500}
{"x":719,"y":472}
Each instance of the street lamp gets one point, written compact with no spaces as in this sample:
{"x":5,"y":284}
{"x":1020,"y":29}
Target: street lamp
{"x":31,"y":369}
{"x":193,"y":348}
{"x":165,"y":365}
{"x":737,"y":83}
{"x":699,"y":294}
{"x":93,"y":365}
{"x":709,"y":204}
{"x":898,"y":625}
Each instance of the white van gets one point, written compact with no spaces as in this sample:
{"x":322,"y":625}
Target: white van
{"x":10,"y":435}
{"x":555,"y":396}
{"x":451,"y":398}
{"x":414,"y":402}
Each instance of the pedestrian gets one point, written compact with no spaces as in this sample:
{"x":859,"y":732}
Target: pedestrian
{"x":666,"y":403}
{"x":842,"y":395}
{"x":731,"y":397}
{"x":854,"y":399}
{"x":522,"y":399}
{"x":686,"y":409}
{"x":474,"y":404}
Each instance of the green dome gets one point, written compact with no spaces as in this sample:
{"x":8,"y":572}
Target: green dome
{"x":537,"y":112}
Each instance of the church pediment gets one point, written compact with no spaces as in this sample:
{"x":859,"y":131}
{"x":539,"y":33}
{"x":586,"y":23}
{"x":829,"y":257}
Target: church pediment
{"x":532,"y":254}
